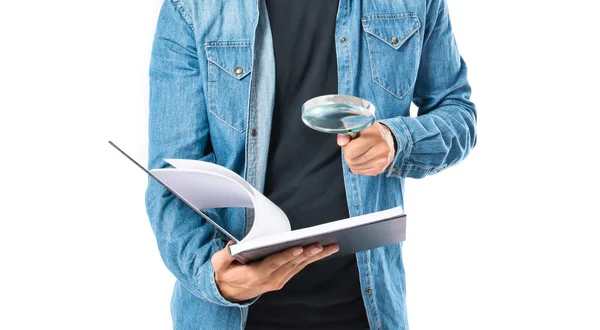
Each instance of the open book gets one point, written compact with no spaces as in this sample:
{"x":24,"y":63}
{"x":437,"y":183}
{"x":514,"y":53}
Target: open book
{"x":203,"y":185}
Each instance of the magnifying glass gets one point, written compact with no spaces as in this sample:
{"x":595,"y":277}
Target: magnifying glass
{"x":338,"y":114}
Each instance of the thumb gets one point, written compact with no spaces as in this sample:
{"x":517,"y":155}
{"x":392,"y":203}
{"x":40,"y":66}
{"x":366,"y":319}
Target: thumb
{"x":343,"y":139}
{"x":222,"y":259}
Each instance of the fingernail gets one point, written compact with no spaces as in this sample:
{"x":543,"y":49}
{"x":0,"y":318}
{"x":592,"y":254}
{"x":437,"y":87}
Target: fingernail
{"x":297,"y":252}
{"x":316,"y":250}
{"x":342,"y":140}
{"x":335,"y":249}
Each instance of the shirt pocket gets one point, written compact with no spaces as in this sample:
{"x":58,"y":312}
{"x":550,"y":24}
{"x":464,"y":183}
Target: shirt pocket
{"x":394,"y":49}
{"x":228,"y":89}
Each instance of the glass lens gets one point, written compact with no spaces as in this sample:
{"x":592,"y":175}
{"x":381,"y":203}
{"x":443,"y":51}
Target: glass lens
{"x":338,"y":118}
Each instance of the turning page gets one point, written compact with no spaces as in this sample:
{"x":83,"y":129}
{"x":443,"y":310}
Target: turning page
{"x":206,"y":185}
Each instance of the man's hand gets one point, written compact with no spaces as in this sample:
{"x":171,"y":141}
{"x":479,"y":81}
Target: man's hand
{"x":371,"y":153}
{"x":238,"y":282}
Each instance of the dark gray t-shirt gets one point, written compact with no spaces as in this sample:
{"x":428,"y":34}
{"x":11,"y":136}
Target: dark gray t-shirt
{"x":304,"y":173}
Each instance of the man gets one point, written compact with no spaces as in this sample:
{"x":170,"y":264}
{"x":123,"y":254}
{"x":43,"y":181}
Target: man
{"x":228,"y":78}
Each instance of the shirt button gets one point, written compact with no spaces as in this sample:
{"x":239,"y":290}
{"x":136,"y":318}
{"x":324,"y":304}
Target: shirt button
{"x":395,"y":168}
{"x":343,"y":40}
{"x":239,"y":70}
{"x":369,"y":290}
{"x":254,"y":132}
{"x":394,"y":40}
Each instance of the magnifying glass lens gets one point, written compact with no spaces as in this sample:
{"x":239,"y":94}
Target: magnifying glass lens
{"x":338,"y":118}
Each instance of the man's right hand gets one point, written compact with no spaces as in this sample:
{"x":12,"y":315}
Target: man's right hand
{"x":238,"y":282}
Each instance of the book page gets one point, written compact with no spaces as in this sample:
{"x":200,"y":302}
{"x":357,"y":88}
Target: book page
{"x":269,"y":219}
{"x":222,"y":187}
{"x":190,"y":164}
{"x":205,"y":190}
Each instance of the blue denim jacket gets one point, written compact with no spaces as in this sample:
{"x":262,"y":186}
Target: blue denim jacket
{"x":212,"y":86}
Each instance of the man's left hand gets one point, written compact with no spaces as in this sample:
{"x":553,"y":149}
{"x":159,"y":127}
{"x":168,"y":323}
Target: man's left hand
{"x":371,"y":153}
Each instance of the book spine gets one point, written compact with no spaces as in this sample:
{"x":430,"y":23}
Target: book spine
{"x":238,"y":257}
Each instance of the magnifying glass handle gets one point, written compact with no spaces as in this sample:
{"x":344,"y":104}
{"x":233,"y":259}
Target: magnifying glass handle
{"x":354,"y":135}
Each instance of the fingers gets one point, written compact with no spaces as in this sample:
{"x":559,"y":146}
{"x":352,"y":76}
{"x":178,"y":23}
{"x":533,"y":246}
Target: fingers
{"x":222,"y":259}
{"x":372,"y":153}
{"x":273,"y":268}
{"x":308,"y":252}
{"x":357,"y":149}
{"x":360,"y":161}
{"x":238,"y":282}
{"x":378,"y":164}
{"x":242,"y":282}
{"x":377,"y":159}
{"x":327,"y":251}
{"x":275,"y":261}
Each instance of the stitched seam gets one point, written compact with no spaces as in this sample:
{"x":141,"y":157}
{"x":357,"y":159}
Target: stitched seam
{"x":360,"y":207}
{"x":397,"y":46}
{"x":399,"y":148}
{"x":348,"y":86}
{"x":349,"y":77}
{"x":409,"y":147}
{"x":251,"y":106}
{"x":389,"y":91}
{"x":226,"y":123}
{"x":221,"y":300}
{"x":249,"y":213}
{"x":388,"y":16}
{"x":208,"y":88}
{"x":210,"y":104}
{"x":255,"y":142}
{"x":202,"y":292}
{"x":217,"y":44}
{"x":375,"y":79}
{"x":238,"y":77}
{"x":216,"y":292}
{"x":372,"y":295}
{"x":184,"y":13}
{"x":427,"y":168}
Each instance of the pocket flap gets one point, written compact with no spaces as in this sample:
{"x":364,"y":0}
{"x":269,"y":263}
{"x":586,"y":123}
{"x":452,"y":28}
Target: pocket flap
{"x":394,"y":30}
{"x":233,"y":57}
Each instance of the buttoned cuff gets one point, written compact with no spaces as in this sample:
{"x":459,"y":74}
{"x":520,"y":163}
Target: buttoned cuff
{"x":403,"y":146}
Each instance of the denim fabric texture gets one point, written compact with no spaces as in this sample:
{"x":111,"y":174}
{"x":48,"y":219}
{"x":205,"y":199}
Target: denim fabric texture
{"x":212,"y":87}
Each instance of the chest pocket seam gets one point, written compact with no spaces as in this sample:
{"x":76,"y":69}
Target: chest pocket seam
{"x":394,"y":49}
{"x":230,"y":64}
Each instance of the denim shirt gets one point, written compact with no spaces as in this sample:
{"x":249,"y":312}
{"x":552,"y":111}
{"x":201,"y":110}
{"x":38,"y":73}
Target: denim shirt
{"x":212,"y":90}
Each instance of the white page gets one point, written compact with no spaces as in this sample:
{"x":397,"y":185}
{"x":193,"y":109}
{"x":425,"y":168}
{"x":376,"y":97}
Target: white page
{"x":269,"y":219}
{"x":222,"y":187}
{"x":190,"y":164}
{"x":205,"y":190}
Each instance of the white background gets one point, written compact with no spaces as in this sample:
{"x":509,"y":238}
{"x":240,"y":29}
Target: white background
{"x":506,"y":240}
